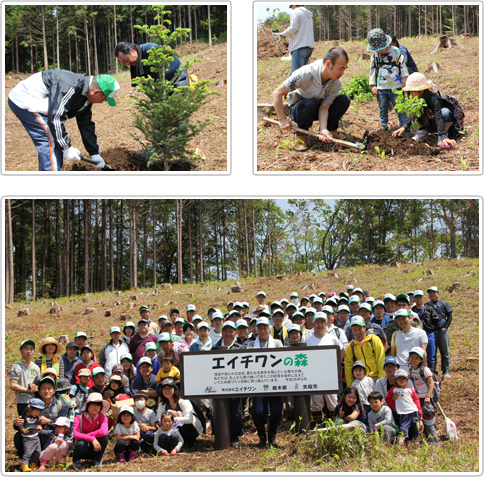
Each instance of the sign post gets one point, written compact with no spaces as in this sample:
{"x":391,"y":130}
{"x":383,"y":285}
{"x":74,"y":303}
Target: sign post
{"x":221,"y":374}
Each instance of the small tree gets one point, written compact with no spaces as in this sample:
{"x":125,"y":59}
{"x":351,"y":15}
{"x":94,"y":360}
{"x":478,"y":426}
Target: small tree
{"x":164,"y":110}
{"x":413,"y":107}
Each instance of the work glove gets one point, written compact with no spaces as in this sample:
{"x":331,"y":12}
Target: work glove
{"x":72,"y":154}
{"x":99,"y":161}
{"x":275,"y":35}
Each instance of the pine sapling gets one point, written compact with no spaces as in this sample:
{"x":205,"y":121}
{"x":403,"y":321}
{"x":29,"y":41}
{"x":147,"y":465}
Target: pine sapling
{"x":413,"y":107}
{"x":165,"y":111}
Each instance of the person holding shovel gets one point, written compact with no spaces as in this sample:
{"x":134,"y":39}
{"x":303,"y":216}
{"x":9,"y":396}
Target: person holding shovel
{"x":43,"y":103}
{"x":313,"y":94}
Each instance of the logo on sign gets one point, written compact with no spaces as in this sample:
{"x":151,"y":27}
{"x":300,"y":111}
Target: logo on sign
{"x":297,"y":386}
{"x":266,"y":387}
{"x":209,"y":389}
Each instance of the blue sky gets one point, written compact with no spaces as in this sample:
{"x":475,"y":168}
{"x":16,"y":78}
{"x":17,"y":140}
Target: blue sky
{"x":262,"y":12}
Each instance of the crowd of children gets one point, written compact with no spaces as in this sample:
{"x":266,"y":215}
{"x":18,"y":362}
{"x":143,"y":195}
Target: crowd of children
{"x":390,"y":388}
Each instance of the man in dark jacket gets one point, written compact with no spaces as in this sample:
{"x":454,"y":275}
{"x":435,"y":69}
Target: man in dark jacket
{"x":43,"y":103}
{"x":132,"y":56}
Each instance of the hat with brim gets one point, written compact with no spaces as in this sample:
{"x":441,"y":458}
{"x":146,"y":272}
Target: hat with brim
{"x":98,"y":370}
{"x":418,"y":82}
{"x":242,"y":323}
{"x":62,"y":421}
{"x":129,"y":324}
{"x":418,"y":293}
{"x":418,"y":350}
{"x":320,"y":316}
{"x":357,"y":320}
{"x":63,"y":384}
{"x":390,"y":360}
{"x":197,"y":318}
{"x":144,"y":308}
{"x":162,"y":318}
{"x":359,"y":364}
{"x":187,"y":325}
{"x":263,"y":321}
{"x":115,"y":378}
{"x":229,"y":324}
{"x":217,"y":314}
{"x":80,"y":334}
{"x":150,"y":346}
{"x":50,"y":340}
{"x":126,"y":356}
{"x":143,"y":320}
{"x":84,"y":372}
{"x":144,"y":360}
{"x":262,"y":293}
{"x":126,"y":409}
{"x":174,"y":310}
{"x":50,"y":371}
{"x":377,"y":40}
{"x":403,"y":297}
{"x":294,"y":327}
{"x":401,"y":373}
{"x":191,"y":308}
{"x":109,"y":86}
{"x":278,"y":312}
{"x":23,"y":343}
{"x":47,"y":379}
{"x":203,"y":324}
{"x":165,"y":337}
{"x":72,"y":344}
{"x":434,"y":289}
{"x":169,"y":382}
{"x":97,"y":398}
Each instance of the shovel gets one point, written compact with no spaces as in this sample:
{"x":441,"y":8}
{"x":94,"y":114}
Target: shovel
{"x":450,"y":427}
{"x":107,"y":167}
{"x":357,"y":145}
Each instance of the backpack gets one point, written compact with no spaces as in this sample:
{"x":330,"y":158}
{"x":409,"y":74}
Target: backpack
{"x":379,"y":62}
{"x":352,"y":344}
{"x":458,"y":111}
{"x":437,"y":385}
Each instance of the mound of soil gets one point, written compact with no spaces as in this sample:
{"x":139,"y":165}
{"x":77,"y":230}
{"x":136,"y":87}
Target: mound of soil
{"x":125,"y":160}
{"x":398,"y":146}
{"x":268,"y":46}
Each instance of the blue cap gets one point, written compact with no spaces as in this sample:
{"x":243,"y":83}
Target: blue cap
{"x":37,"y":403}
{"x":391,"y":359}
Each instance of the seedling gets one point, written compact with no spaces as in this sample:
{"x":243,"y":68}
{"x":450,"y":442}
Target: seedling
{"x":380,"y":153}
{"x":413,"y":107}
{"x":358,"y":89}
{"x":288,"y":144}
{"x":463,"y":164}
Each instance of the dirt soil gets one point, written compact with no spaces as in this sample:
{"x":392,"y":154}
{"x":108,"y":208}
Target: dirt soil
{"x":464,"y":351}
{"x":275,"y":148}
{"x":114,"y":125}
{"x":268,"y":46}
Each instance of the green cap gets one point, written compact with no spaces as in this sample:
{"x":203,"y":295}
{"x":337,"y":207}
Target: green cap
{"x":26,"y":342}
{"x":435,"y":289}
{"x":109,"y":86}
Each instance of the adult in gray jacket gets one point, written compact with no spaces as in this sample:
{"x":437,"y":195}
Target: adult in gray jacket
{"x":313,"y":94}
{"x":43,"y":103}
{"x":301,"y":36}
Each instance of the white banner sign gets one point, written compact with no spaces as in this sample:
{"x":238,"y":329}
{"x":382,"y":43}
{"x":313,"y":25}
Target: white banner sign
{"x":286,"y":371}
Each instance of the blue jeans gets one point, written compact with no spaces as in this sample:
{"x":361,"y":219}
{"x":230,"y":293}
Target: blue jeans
{"x":431,"y":348}
{"x":447,"y":116}
{"x":385,"y":98}
{"x":409,"y":424}
{"x":300,"y":57}
{"x":442,"y":343}
{"x":306,"y":111}
{"x":50,"y":155}
{"x":260,"y":409}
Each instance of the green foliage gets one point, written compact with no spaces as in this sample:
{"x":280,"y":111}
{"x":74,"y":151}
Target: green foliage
{"x":164,"y":110}
{"x":412,"y":106}
{"x":358,"y":89}
{"x":277,"y":19}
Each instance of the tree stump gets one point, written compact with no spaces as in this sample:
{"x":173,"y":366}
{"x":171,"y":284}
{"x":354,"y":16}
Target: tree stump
{"x":108,"y":313}
{"x":88,"y":311}
{"x":281,"y":277}
{"x":117,"y":293}
{"x":444,"y":43}
{"x":55,"y":309}
{"x":63,"y":340}
{"x":117,"y":303}
{"x":364,"y":57}
{"x":133,"y":297}
{"x":333,"y":273}
{"x":435,"y":67}
{"x":24,"y":312}
{"x":73,"y":300}
{"x":429,"y":271}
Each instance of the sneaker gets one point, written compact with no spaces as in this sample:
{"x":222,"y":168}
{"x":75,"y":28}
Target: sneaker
{"x":262,"y":442}
{"x":121,"y":457}
{"x":98,"y":463}
{"x":42,"y":468}
{"x":234,"y":444}
{"x":302,"y":143}
{"x":132,"y":455}
{"x":420,"y":134}
{"x":337,"y":134}
{"x":383,"y":127}
{"x":77,"y":464}
{"x":447,"y":375}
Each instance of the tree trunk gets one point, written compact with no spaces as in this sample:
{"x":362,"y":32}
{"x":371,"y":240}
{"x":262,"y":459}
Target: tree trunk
{"x":111,"y":243}
{"x":179,"y":210}
{"x":210,"y":28}
{"x":190,"y":23}
{"x":94,"y":41}
{"x":57,"y":31}
{"x":246,"y":229}
{"x":154,"y":242}
{"x":59,"y":249}
{"x":86,"y":246}
{"x":104,"y":246}
{"x":200,"y":238}
{"x":78,"y":59}
{"x":34,"y":260}
{"x":9,"y":278}
{"x":44,"y":39}
{"x":115,"y":36}
{"x":254,"y":250}
{"x":131,"y":22}
{"x":66,"y":258}
{"x":88,"y":53}
{"x":195,"y":21}
{"x":190,"y":251}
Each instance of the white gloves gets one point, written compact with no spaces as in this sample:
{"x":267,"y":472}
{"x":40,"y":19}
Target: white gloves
{"x":99,"y":161}
{"x":72,"y":154}
{"x":275,"y":35}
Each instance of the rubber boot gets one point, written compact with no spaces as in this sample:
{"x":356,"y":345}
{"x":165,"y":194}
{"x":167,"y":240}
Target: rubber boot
{"x":272,"y":440}
{"x":26,"y":468}
{"x":261,"y":432}
{"x":42,"y":464}
{"x":316,"y":419}
{"x":132,"y":455}
{"x":121,"y":457}
{"x":34,"y":466}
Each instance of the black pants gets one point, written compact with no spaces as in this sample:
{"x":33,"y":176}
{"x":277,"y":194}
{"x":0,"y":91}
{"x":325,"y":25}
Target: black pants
{"x":236,"y":419}
{"x":129,"y":445}
{"x":85,"y":449}
{"x":189,"y":434}
{"x":305,"y":112}
{"x":167,"y":442}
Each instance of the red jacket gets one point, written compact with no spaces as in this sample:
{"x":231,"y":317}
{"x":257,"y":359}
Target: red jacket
{"x":80,"y":366}
{"x":391,"y":403}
